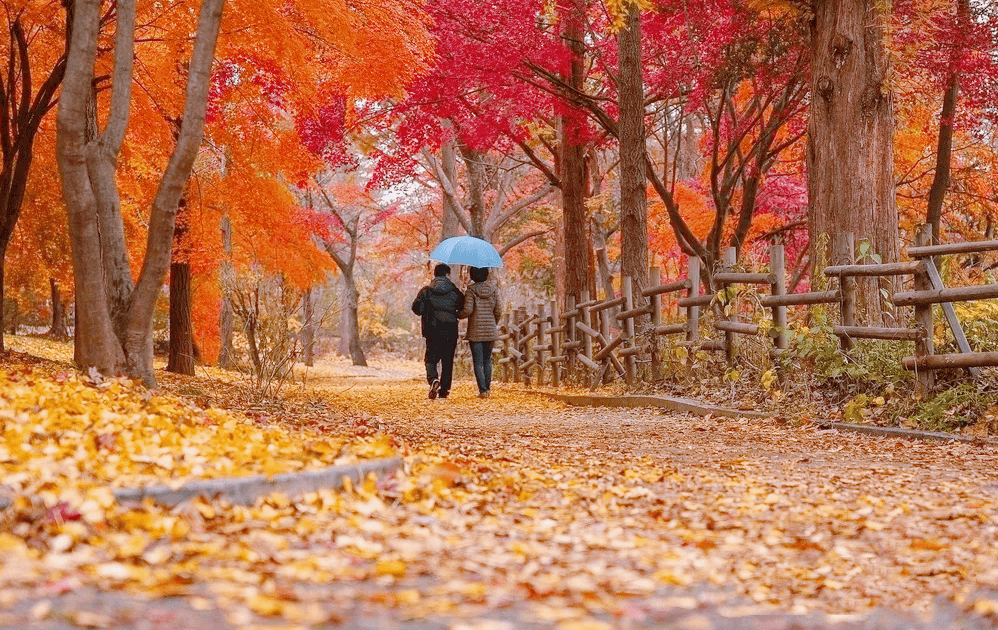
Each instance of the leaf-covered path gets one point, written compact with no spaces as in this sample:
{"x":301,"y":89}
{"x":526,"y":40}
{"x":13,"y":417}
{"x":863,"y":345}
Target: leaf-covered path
{"x":514,"y":512}
{"x":586,"y":504}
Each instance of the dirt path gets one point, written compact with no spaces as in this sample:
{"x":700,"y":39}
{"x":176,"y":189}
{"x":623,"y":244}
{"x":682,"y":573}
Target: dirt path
{"x":618,"y":501}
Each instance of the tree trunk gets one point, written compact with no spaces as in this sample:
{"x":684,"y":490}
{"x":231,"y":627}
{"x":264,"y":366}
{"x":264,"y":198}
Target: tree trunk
{"x":474,"y":166}
{"x":181,"y":355}
{"x":351,"y":303}
{"x":181,"y":359}
{"x":3,"y":305}
{"x":308,"y":328}
{"x":110,"y":342}
{"x":944,"y":149}
{"x":226,"y":322}
{"x":58,"y":330}
{"x":850,"y":137}
{"x":633,"y":201}
{"x":572,"y":165}
{"x":450,"y":223}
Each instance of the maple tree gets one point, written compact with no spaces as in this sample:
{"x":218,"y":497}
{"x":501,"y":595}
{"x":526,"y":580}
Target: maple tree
{"x":36,"y":53}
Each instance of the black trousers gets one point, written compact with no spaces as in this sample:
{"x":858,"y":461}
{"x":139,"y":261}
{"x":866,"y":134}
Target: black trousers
{"x":440,"y":351}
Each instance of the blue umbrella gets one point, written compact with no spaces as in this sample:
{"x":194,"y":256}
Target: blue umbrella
{"x":467,"y":250}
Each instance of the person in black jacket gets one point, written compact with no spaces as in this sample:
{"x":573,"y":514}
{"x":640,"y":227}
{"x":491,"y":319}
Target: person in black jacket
{"x":438,"y":305}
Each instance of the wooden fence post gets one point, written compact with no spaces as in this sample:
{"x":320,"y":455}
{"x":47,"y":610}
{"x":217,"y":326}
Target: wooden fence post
{"x":570,"y":336}
{"x":843,"y":253}
{"x":778,"y":266}
{"x":541,"y":340}
{"x":625,"y":290}
{"x":730,"y":259}
{"x":923,"y":314}
{"x":508,"y":358}
{"x":584,"y":317}
{"x":655,"y":279}
{"x":556,"y":344}
{"x":519,"y":315}
{"x":692,"y":312}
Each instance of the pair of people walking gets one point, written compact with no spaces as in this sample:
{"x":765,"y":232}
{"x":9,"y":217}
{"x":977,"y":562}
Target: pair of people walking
{"x":440,"y":305}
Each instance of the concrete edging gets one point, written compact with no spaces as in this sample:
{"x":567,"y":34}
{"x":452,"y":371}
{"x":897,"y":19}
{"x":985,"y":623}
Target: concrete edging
{"x":907,"y":434}
{"x":246,"y":490}
{"x":688,"y":405}
{"x":672,"y":403}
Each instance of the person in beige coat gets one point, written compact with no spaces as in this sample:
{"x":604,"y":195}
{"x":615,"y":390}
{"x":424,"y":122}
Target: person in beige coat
{"x":483,"y":310}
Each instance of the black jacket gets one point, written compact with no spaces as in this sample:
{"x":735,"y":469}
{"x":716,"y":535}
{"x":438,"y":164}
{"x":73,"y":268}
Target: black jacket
{"x":438,"y":305}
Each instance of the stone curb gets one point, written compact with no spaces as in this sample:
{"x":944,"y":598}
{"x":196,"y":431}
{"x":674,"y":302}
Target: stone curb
{"x":908,"y":434}
{"x":246,"y":490}
{"x":686,"y":405}
{"x":689,"y":405}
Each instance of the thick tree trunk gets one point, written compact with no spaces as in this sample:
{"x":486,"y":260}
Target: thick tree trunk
{"x":850,"y":137}
{"x":111,"y":342}
{"x":351,"y":303}
{"x":3,"y":298}
{"x":181,"y":358}
{"x":633,"y":201}
{"x":58,"y":330}
{"x":572,"y":166}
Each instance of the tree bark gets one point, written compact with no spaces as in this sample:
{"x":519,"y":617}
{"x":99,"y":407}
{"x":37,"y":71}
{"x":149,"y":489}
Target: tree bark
{"x":21,"y":120}
{"x":110,"y":341}
{"x":474,"y":166}
{"x":181,"y":358}
{"x":944,"y":148}
{"x":3,"y":304}
{"x":226,"y":323}
{"x":572,"y":164}
{"x":58,"y":329}
{"x":850,"y":135}
{"x":308,"y":328}
{"x":351,"y":304}
{"x":633,"y":200}
{"x":450,"y":222}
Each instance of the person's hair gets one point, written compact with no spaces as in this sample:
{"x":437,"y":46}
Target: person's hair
{"x":441,"y":270}
{"x":479,"y":274}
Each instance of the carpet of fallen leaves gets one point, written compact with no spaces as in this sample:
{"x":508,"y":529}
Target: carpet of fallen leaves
{"x":567,"y":515}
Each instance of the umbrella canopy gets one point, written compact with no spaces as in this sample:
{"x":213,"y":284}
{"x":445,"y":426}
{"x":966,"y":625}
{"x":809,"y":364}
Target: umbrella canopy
{"x":467,"y":250}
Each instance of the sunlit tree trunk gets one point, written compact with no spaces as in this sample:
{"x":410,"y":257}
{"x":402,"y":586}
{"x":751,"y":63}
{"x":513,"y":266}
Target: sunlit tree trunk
{"x":110,"y":341}
{"x":850,"y":137}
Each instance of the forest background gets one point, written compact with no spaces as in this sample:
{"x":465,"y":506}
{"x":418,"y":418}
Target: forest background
{"x":343,"y":141}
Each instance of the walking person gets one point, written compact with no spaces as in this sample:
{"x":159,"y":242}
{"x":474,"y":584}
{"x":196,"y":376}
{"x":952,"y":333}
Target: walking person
{"x":438,"y":305}
{"x":483,"y":310}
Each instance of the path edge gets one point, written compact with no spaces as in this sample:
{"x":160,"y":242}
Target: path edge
{"x":246,"y":490}
{"x":688,"y":405}
{"x":672,"y":403}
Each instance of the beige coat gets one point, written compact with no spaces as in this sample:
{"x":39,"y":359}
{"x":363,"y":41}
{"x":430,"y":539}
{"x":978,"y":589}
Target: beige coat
{"x":483,"y":310}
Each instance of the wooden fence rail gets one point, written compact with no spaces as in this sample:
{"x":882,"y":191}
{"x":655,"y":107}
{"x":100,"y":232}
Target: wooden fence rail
{"x":594,"y":340}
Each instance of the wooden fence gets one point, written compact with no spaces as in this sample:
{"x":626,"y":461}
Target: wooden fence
{"x":594,"y":341}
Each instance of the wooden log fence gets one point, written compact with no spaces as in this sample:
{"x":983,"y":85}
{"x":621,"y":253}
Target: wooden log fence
{"x":589,"y":343}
